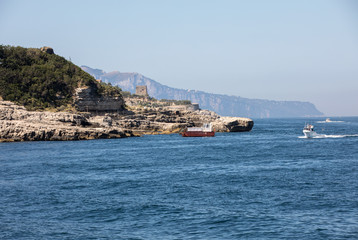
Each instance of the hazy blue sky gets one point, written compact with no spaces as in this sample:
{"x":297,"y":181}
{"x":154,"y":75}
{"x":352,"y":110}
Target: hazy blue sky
{"x":279,"y":50}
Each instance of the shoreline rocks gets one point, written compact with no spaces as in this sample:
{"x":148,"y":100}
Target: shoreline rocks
{"x":18,"y":124}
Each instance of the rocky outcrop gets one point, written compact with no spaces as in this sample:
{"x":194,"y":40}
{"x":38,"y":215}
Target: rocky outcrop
{"x":233,"y":124}
{"x":86,"y":100}
{"x":18,"y":124}
{"x":48,"y":50}
{"x":164,"y":121}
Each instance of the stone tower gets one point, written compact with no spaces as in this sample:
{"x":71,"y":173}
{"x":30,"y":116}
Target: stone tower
{"x":141,"y":91}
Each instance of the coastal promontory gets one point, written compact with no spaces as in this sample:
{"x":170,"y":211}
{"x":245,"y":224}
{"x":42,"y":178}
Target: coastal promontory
{"x":45,"y":97}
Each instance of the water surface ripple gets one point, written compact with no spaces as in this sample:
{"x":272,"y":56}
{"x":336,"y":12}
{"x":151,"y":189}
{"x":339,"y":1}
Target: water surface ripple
{"x":265,"y":184}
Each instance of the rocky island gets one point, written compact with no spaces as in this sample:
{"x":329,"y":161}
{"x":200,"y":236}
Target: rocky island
{"x":47,"y":98}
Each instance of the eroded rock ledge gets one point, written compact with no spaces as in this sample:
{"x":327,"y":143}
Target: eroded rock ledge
{"x":18,"y":124}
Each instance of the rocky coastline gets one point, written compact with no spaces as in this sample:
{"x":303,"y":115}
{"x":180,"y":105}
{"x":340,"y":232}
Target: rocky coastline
{"x":95,"y":109}
{"x":18,"y":124}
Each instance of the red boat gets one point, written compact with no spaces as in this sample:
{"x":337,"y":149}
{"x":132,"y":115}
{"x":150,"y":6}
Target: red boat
{"x":205,"y":131}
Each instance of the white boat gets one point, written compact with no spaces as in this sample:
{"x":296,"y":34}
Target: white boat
{"x":309,"y":132}
{"x":328,"y":120}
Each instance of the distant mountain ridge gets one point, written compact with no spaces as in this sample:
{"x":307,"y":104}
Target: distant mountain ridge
{"x":222,"y":104}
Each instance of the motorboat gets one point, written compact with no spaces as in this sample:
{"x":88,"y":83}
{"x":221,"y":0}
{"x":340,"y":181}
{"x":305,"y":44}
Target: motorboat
{"x":206,"y":130}
{"x":309,"y":132}
{"x":328,"y":120}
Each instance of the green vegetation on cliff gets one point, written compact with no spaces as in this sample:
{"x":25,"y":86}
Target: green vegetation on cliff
{"x":40,"y":80}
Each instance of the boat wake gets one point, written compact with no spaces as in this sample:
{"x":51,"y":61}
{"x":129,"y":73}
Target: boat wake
{"x":330,"y":122}
{"x":331,"y":136}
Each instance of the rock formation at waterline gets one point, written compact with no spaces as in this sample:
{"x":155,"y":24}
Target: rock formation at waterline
{"x":149,"y":121}
{"x":18,"y":124}
{"x":34,"y":80}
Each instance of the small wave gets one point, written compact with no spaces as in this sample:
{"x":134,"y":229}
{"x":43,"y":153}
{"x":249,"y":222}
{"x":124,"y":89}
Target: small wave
{"x":330,"y":122}
{"x":331,"y":136}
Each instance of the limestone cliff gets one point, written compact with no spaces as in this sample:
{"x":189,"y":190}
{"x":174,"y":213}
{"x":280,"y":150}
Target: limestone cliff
{"x":149,"y":117}
{"x":149,"y":121}
{"x":39,"y":80}
{"x":86,"y":100}
{"x":18,"y":124}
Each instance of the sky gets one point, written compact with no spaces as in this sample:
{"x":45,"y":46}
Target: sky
{"x":304,"y":50}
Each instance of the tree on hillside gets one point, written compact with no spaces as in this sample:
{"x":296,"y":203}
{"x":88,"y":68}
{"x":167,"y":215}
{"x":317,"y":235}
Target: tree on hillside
{"x":39,"y":80}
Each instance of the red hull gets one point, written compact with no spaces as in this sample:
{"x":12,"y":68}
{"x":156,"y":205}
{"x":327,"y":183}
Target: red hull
{"x":198,"y":134}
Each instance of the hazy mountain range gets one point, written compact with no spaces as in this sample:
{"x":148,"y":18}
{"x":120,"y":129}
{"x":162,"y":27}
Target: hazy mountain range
{"x":224,"y":105}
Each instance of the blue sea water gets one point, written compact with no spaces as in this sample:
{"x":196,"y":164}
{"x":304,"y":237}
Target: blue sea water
{"x":269,"y":183}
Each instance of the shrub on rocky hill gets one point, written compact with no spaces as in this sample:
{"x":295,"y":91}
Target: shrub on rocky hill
{"x":41,"y":79}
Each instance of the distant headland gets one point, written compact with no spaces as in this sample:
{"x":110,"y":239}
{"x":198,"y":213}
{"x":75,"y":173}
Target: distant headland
{"x":222,"y":104}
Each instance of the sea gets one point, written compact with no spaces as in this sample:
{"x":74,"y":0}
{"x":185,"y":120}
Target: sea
{"x":269,"y":183}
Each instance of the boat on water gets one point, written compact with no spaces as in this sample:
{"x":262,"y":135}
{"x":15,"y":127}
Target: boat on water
{"x":206,"y":130}
{"x":328,"y":120}
{"x":309,"y":132}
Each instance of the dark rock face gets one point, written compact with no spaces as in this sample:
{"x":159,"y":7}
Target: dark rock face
{"x":87,"y":101}
{"x":47,"y":50}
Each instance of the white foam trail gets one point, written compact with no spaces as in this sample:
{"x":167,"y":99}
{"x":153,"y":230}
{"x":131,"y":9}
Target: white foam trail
{"x":330,"y":122}
{"x":331,"y":136}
